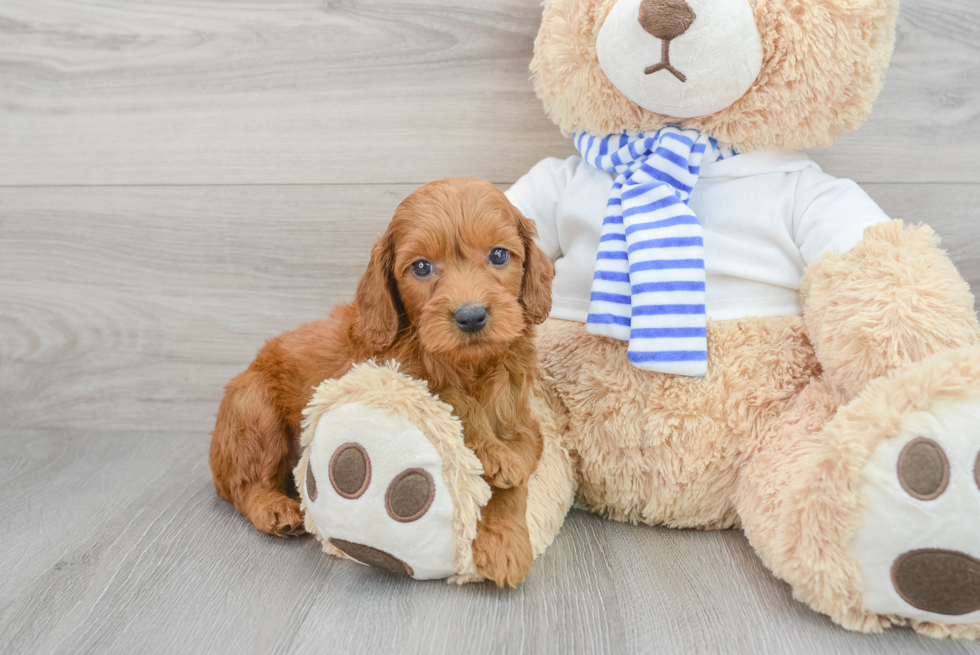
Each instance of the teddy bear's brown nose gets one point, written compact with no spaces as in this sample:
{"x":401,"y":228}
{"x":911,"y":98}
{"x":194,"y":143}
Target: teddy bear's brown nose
{"x":666,"y":19}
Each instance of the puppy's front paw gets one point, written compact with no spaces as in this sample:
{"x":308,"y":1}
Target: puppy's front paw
{"x":277,"y":515}
{"x":502,"y":553}
{"x":502,"y":468}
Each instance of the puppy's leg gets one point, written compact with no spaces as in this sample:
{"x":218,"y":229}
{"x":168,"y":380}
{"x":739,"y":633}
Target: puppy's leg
{"x":525,"y":443}
{"x":502,"y":548}
{"x":503,"y":466}
{"x":250,"y":457}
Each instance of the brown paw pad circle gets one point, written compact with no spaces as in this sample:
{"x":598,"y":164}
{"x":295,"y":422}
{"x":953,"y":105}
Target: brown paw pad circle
{"x":410,"y":495}
{"x":372,"y":557}
{"x":350,"y":471}
{"x":310,"y":482}
{"x":923,"y":469}
{"x":939,"y":581}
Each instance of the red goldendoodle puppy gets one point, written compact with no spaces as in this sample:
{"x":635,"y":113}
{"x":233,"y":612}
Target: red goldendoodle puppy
{"x":453,"y":291}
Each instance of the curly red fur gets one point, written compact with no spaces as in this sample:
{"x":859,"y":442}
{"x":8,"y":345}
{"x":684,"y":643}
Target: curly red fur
{"x":486,"y":376}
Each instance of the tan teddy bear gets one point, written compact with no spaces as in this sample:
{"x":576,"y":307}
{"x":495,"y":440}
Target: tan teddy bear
{"x":737,"y":339}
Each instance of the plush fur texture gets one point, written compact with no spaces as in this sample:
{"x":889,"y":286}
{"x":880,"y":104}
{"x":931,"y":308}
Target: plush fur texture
{"x":895,"y":298}
{"x":663,"y":449}
{"x":800,"y":496}
{"x":823,"y":66}
{"x":550,"y":490}
{"x":487,"y":376}
{"x":770,"y":438}
{"x":385,"y":387}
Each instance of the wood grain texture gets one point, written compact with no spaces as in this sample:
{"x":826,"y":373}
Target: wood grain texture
{"x":308,"y":91}
{"x":267,"y":91}
{"x":167,"y":567}
{"x":53,"y":484}
{"x":132,"y":307}
{"x":181,"y":179}
{"x":137,"y":300}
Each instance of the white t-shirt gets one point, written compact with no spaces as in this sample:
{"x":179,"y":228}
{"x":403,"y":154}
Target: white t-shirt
{"x":765,"y":216}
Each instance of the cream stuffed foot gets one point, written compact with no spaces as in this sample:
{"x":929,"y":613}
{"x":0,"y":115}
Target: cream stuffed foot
{"x":870,"y":509}
{"x":385,"y":479}
{"x":918,"y":546}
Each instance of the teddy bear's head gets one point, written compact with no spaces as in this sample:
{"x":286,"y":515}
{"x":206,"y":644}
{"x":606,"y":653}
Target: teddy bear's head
{"x":754,"y":74}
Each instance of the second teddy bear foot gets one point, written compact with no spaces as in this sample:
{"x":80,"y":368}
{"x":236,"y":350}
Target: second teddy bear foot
{"x":918,"y":549}
{"x":873,"y":518}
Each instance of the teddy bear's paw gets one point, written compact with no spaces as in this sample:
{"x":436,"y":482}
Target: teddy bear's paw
{"x":918,"y":548}
{"x":375,"y":491}
{"x":374,"y":487}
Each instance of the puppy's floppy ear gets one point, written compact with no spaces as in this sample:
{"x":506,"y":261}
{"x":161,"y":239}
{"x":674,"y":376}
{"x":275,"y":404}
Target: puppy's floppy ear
{"x":376,"y":299}
{"x":538,"y":273}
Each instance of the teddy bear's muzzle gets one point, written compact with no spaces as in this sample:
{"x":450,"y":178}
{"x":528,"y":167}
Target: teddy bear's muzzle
{"x":666,"y":20}
{"x":712,"y":51}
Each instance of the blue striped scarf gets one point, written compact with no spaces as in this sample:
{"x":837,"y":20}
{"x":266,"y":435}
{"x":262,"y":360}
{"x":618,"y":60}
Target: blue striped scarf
{"x":648,"y":287}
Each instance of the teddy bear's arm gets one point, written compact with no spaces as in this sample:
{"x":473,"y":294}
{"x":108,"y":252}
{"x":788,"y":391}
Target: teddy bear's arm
{"x":894,"y":298}
{"x":876,"y":294}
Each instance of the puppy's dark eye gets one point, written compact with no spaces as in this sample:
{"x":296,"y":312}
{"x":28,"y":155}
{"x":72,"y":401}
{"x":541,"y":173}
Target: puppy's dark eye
{"x":499,"y":256}
{"x":422,"y":269}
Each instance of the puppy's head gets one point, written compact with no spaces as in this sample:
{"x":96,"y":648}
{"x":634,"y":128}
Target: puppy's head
{"x":458,"y":262}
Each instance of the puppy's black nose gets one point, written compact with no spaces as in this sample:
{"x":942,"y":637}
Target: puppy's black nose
{"x":471,"y":318}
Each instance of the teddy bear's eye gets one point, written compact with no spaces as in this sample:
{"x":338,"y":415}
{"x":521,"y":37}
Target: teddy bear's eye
{"x":422,"y":269}
{"x":499,"y":256}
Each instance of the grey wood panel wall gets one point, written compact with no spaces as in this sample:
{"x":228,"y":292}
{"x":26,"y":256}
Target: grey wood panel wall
{"x":143,"y":254}
{"x":181,"y":179}
{"x":131,"y":307}
{"x":306,"y":91}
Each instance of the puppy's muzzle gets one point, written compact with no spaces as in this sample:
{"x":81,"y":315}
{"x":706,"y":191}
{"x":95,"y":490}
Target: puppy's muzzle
{"x":471,"y":318}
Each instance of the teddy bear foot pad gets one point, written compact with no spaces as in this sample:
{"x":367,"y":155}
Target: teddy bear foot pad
{"x":371,"y":556}
{"x":917,"y":549}
{"x":374,"y":489}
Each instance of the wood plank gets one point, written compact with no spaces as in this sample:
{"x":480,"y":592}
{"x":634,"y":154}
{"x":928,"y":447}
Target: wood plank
{"x":929,"y":105}
{"x":57,"y":484}
{"x":132,"y":307}
{"x":267,"y":91}
{"x":168,"y":567}
{"x":120,"y":306}
{"x":301,"y":91}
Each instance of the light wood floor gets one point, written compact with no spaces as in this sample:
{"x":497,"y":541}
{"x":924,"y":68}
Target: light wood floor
{"x":180,"y":179}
